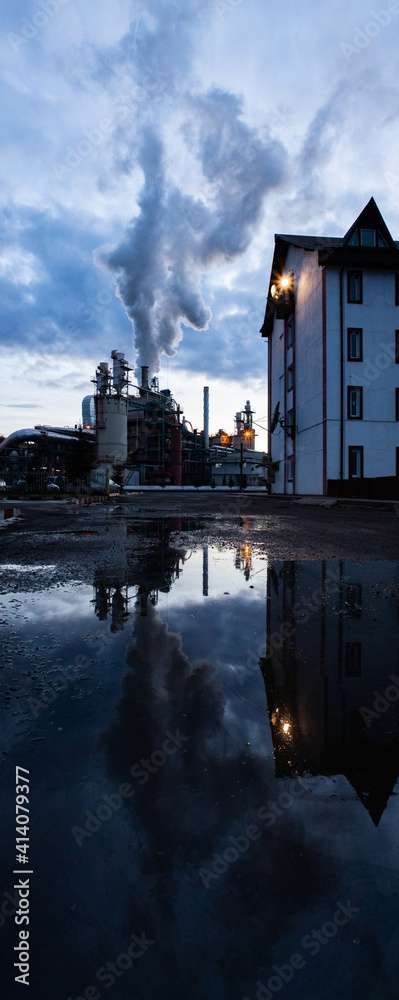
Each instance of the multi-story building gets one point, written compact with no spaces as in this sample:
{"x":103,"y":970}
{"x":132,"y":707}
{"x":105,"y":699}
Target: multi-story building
{"x":332,"y":319}
{"x":331,"y":674}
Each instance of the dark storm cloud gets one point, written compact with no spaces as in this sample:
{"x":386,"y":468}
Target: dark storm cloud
{"x":51,"y":296}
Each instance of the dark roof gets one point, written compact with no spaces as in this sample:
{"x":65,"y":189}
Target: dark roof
{"x":315,"y":242}
{"x":311,"y":242}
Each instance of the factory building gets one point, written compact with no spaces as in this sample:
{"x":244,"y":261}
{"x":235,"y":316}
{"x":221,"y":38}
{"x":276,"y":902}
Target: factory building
{"x":34,"y":455}
{"x":136,"y":438}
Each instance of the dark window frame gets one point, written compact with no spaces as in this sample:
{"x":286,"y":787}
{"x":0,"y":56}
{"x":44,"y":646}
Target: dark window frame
{"x":290,"y":465}
{"x":358,"y":448}
{"x":353,"y":600}
{"x":290,"y":331}
{"x":351,"y":274}
{"x":353,"y":659}
{"x":359,"y":389}
{"x":350,"y":330}
{"x":290,"y":371}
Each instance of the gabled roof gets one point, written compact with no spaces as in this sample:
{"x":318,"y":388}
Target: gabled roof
{"x":370,"y":218}
{"x":335,"y":251}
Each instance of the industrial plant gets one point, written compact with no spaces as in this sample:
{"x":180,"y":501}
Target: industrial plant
{"x":132,"y":435}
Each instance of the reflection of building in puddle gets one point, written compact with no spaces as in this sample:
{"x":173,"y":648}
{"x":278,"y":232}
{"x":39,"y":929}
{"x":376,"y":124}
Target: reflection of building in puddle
{"x":111,"y":597}
{"x":332,"y":648}
{"x":205,"y":570}
{"x":158,"y":568}
{"x":243,"y":559}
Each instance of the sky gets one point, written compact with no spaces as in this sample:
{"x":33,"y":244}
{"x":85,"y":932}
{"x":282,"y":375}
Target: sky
{"x":150,"y":152}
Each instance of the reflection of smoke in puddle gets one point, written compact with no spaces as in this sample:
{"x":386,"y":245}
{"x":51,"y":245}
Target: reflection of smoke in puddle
{"x":187,"y":807}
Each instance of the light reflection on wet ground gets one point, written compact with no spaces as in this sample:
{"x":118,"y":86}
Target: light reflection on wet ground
{"x":214,"y":761}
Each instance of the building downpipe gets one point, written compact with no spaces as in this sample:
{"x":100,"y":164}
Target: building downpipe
{"x":206,"y":417}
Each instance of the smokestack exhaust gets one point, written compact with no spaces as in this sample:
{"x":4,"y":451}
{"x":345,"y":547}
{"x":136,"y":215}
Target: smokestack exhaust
{"x":206,"y":417}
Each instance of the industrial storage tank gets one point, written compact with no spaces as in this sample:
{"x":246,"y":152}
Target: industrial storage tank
{"x":88,"y":413}
{"x":111,"y":412}
{"x":111,"y":437}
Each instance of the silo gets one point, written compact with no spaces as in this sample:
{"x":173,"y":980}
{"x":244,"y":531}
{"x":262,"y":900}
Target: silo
{"x":111,"y":436}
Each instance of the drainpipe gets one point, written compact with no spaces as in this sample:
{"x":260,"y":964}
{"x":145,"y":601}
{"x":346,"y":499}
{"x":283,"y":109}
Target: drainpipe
{"x":341,"y":435}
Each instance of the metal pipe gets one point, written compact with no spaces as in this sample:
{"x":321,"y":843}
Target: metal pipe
{"x":206,"y":417}
{"x":341,"y":432}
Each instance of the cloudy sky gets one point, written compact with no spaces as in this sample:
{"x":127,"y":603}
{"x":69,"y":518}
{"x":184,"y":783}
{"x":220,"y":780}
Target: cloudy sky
{"x":150,"y":152}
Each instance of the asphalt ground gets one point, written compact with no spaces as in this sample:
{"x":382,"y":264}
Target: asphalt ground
{"x":63,"y":531}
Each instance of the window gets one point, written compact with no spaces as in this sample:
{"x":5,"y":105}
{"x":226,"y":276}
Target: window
{"x":355,"y":402}
{"x":367,"y":237}
{"x":353,"y":659}
{"x":291,"y":423}
{"x":355,"y":344}
{"x":397,"y":289}
{"x":397,"y":346}
{"x":290,"y":379}
{"x":355,"y":286}
{"x":353,"y":600}
{"x":290,"y":332}
{"x":381,"y":241}
{"x":355,"y":462}
{"x":396,"y":404}
{"x":290,"y":469}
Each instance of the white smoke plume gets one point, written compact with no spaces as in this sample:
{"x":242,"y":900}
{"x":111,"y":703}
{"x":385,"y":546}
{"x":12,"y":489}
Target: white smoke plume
{"x":175,"y":238}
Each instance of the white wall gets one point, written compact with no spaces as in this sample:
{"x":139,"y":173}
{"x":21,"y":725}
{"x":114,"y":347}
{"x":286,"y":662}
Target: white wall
{"x":378,"y":431}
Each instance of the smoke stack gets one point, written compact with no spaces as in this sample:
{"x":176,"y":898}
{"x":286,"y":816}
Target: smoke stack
{"x":206,"y":417}
{"x":144,"y":377}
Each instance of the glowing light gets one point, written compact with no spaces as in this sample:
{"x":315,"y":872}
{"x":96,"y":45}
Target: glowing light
{"x":285,"y":282}
{"x":286,"y":727}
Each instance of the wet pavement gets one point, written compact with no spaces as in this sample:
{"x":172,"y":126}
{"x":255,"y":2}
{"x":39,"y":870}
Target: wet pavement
{"x":212,"y":733}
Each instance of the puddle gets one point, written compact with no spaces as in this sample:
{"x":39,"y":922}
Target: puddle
{"x":213,"y":741}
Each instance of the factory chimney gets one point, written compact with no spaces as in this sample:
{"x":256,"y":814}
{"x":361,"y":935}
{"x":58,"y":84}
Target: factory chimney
{"x":144,"y":377}
{"x":206,"y":417}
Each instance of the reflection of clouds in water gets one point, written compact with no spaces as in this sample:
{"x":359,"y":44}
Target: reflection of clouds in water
{"x":55,"y":603}
{"x":187,"y":811}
